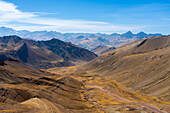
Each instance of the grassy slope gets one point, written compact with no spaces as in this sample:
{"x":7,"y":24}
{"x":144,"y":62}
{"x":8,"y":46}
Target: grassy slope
{"x":138,"y":71}
{"x":21,"y":86}
{"x":123,"y":80}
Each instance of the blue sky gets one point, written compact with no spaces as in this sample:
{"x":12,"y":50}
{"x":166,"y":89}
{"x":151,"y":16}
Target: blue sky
{"x":105,"y":16}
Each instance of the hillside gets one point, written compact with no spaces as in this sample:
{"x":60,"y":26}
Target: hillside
{"x":25,"y":89}
{"x":142,"y":66}
{"x":43,"y":54}
{"x":102,"y":49}
{"x":137,"y":74}
{"x":133,"y":78}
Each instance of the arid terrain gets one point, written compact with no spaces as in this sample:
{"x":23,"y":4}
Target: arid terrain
{"x":84,"y":56}
{"x":133,"y":78}
{"x":43,"y":54}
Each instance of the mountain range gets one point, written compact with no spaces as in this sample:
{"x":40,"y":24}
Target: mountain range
{"x":86,"y":40}
{"x":133,"y":78}
{"x":43,"y":54}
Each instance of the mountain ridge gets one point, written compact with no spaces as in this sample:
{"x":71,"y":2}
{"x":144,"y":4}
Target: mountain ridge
{"x":86,"y":40}
{"x":43,"y":54}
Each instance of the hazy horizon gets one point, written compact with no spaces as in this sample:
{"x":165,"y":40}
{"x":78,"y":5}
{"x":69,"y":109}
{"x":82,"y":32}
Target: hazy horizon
{"x":87,"y":16}
{"x":83,"y":32}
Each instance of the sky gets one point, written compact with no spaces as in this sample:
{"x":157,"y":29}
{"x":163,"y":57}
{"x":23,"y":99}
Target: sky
{"x":87,"y":16}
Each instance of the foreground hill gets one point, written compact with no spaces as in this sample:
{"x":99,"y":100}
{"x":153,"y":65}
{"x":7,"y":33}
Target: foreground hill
{"x":43,"y":54}
{"x":24,"y":89}
{"x":137,"y":74}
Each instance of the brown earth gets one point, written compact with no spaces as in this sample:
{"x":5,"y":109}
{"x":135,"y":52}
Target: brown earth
{"x":138,"y":72}
{"x":43,"y":54}
{"x":133,"y":78}
{"x":25,"y":89}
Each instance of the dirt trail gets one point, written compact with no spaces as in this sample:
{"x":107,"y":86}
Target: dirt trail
{"x":117,"y":97}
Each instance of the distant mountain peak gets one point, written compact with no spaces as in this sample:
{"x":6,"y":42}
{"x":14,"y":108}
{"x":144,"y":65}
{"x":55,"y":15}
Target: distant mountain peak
{"x":128,"y":34}
{"x":141,"y":35}
{"x":141,"y":32}
{"x":85,"y":40}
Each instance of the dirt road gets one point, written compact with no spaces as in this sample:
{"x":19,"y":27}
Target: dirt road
{"x":119,"y":98}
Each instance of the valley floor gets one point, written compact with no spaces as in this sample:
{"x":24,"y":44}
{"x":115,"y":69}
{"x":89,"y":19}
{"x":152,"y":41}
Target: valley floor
{"x":112,"y":97}
{"x":69,"y":90}
{"x":134,"y":78}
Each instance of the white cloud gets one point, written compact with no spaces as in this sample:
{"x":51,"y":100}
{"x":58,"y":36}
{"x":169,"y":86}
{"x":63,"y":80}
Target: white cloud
{"x":9,"y":13}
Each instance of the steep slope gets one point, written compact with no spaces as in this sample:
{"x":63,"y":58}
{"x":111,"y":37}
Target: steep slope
{"x":132,"y":78}
{"x":25,"y":89}
{"x":43,"y":54}
{"x":142,"y":66}
{"x":68,"y":51}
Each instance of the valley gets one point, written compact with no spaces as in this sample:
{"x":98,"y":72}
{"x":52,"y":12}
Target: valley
{"x":133,"y":78}
{"x":84,"y":56}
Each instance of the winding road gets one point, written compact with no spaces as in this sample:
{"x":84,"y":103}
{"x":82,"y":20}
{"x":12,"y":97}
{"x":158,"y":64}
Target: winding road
{"x":119,"y":98}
